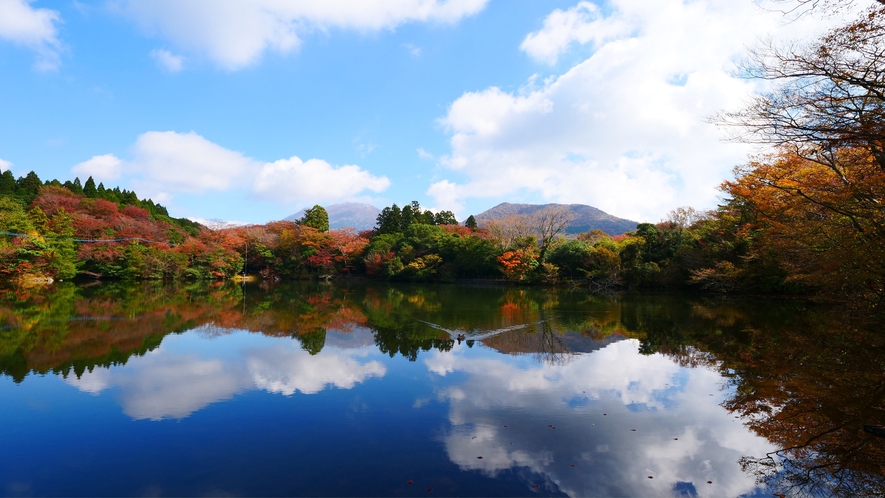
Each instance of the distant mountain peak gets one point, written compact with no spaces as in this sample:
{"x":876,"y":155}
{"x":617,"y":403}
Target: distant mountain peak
{"x":354,"y":215}
{"x":586,"y":217}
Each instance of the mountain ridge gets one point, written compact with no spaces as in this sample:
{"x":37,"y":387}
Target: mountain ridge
{"x":354,"y":215}
{"x":586,"y":217}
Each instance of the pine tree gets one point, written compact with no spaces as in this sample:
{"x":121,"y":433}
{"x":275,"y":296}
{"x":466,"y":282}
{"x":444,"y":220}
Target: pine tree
{"x":389,"y":220}
{"x":471,"y":222}
{"x":78,"y":187}
{"x":7,"y":183}
{"x":27,"y":187}
{"x":89,"y":188}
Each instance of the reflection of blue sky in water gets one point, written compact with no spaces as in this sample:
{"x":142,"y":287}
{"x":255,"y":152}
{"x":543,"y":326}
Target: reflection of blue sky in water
{"x":188,"y":372}
{"x":651,"y":394}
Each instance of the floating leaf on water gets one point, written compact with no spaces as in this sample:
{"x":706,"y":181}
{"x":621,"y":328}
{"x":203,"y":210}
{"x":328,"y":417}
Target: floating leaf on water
{"x":675,"y":439}
{"x":536,"y":486}
{"x":479,"y":457}
{"x":650,"y":477}
{"x":409,"y":481}
{"x":632,"y":430}
{"x":709,"y":482}
{"x":429,"y":489}
{"x":573,"y":465}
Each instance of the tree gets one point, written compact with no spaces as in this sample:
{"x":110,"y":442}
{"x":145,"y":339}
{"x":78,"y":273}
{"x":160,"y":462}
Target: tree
{"x":89,"y":188}
{"x":817,"y":197}
{"x":446,"y":218}
{"x":550,"y":222}
{"x":389,"y":220}
{"x":686,"y":216}
{"x":7,"y":183}
{"x":831,"y":93}
{"x":471,"y":223}
{"x":27,"y":187}
{"x":316,"y":217}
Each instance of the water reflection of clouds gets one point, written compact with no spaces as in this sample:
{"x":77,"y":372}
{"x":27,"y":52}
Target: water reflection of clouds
{"x":648,"y":393}
{"x":182,"y":377}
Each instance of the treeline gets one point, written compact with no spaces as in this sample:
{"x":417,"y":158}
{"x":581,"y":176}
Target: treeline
{"x":55,"y":230}
{"x":26,"y":189}
{"x":62,"y":234}
{"x":806,"y":217}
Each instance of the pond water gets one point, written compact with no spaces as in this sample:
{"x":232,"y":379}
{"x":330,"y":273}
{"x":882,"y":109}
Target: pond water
{"x":380,"y":390}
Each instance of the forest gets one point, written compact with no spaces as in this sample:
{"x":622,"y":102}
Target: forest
{"x":805,"y":216}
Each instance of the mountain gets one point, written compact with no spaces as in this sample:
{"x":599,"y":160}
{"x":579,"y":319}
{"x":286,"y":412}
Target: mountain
{"x":347,"y":214}
{"x":586,"y":217}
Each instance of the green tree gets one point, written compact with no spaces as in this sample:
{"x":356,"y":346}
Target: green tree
{"x":316,"y":217}
{"x":13,"y":217}
{"x":471,"y":223}
{"x":27,"y":187}
{"x":446,"y":218}
{"x":89,"y":188}
{"x":62,"y":254}
{"x":389,"y":220}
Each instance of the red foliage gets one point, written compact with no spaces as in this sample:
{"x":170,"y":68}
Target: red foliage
{"x":51,"y":199}
{"x":137,"y":213}
{"x":457,"y":229}
{"x":100,"y":208}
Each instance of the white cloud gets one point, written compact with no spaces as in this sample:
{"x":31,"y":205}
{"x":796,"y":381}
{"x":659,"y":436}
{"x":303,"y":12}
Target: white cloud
{"x":4,"y":165}
{"x":167,"y":162}
{"x":625,"y":129}
{"x":187,"y":162}
{"x":100,"y":168}
{"x":582,"y":23}
{"x":33,"y":28}
{"x":236,"y":34}
{"x":423,"y":154}
{"x":291,"y":180}
{"x":413,"y":49}
{"x":167,"y":60}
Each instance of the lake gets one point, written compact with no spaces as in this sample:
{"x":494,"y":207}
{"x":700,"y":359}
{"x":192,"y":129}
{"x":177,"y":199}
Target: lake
{"x":382,"y":390}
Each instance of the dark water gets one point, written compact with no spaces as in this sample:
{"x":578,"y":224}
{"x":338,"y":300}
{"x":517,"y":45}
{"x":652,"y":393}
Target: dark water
{"x":219,"y":389}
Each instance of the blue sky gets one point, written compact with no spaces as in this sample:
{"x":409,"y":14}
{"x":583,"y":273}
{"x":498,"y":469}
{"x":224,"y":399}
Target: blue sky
{"x":252,"y":110}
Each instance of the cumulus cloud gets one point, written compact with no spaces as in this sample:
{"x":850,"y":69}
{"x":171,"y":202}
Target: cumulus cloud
{"x":623,"y":130}
{"x":173,"y":382}
{"x":33,"y":28}
{"x":167,"y":161}
{"x":4,"y":165}
{"x":290,"y":180}
{"x":582,"y":23}
{"x":187,"y":162}
{"x":236,"y":34}
{"x":102,"y":168}
{"x":167,"y":60}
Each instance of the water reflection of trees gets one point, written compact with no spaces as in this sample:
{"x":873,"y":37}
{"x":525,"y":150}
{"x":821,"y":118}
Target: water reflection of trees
{"x":803,"y":377}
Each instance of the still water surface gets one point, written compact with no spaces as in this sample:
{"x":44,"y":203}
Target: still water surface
{"x":152,"y":389}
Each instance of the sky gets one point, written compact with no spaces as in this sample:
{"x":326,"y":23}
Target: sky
{"x":249,"y":111}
